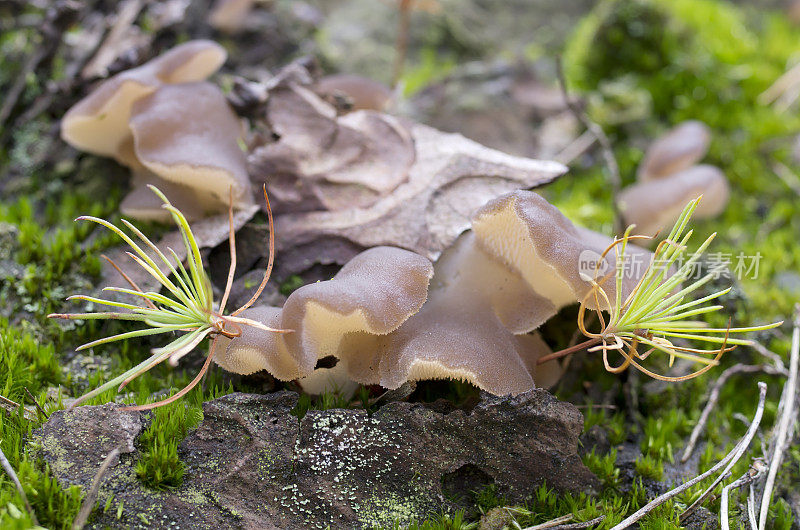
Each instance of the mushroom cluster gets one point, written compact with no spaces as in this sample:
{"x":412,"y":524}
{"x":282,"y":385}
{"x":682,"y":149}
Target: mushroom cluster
{"x":172,"y":128}
{"x":390,"y":316}
{"x":669,"y":177}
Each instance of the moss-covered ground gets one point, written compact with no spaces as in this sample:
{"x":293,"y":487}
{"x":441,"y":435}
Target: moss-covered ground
{"x":643,"y":65}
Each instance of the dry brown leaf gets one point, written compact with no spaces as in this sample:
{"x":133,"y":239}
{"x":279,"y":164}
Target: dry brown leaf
{"x":322,"y":161}
{"x":451,"y":177}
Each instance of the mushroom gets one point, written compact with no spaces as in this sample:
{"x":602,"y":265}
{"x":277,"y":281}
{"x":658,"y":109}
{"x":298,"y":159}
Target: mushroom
{"x":187,"y":134}
{"x":256,"y":349}
{"x":230,"y":16}
{"x":465,"y":330}
{"x":99,"y":122}
{"x":371,"y":295}
{"x":141,"y":203}
{"x":555,"y":258}
{"x":362,"y":93}
{"x":496,"y":284}
{"x":656,"y":204}
{"x":679,"y":149}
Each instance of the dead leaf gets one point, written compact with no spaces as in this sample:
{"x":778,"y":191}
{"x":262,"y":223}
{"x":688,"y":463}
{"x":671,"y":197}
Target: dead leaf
{"x":451,"y":176}
{"x":322,"y":161}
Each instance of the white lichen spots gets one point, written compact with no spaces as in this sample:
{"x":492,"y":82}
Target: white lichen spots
{"x":350,"y":458}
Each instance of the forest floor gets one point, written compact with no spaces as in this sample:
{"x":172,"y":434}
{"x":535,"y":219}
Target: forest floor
{"x":638,"y":66}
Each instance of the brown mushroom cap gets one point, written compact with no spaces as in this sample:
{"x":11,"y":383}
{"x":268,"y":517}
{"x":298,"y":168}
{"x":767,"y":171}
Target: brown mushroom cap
{"x":371,"y":295}
{"x":462,"y":330}
{"x":99,"y":122}
{"x":186,"y":133}
{"x":679,"y":149}
{"x":534,"y":238}
{"x":363,"y":93}
{"x":656,"y":204}
{"x":256,"y":349}
{"x":141,"y":203}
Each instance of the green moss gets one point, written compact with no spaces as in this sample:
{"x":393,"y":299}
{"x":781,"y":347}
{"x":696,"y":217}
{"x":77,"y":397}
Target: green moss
{"x":614,"y":424}
{"x":55,"y":505}
{"x":663,"y":434}
{"x":159,"y":466}
{"x":650,"y":467}
{"x":604,"y":466}
{"x":324,"y":401}
{"x":455,"y":521}
{"x":291,"y":284}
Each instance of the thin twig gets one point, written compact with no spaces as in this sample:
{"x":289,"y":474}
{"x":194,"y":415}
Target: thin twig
{"x":15,"y":479}
{"x":584,"y":524}
{"x":737,"y":453}
{"x":751,"y":508}
{"x":745,"y":441}
{"x":787,"y":421}
{"x":597,"y":406}
{"x":749,"y":477}
{"x":713,"y":399}
{"x":12,"y":407}
{"x":785,"y":82}
{"x":97,"y":66}
{"x":776,"y":359}
{"x":38,"y":407}
{"x":91,"y":495}
{"x":401,"y":44}
{"x":576,"y":148}
{"x":551,"y":523}
{"x":605,"y":146}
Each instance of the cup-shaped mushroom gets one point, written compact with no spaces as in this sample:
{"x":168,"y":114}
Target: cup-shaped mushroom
{"x":188,"y":134}
{"x":335,"y":379}
{"x":466,"y":329}
{"x":99,"y":122}
{"x":141,"y":203}
{"x":257,"y":349}
{"x":679,"y":149}
{"x":556,"y":259}
{"x":372,"y":295}
{"x":655,"y":205}
{"x":453,"y":339}
{"x":361,"y":92}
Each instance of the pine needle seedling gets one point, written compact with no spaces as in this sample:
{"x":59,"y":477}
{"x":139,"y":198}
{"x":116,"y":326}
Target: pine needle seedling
{"x":659,"y":309}
{"x":188,"y":307}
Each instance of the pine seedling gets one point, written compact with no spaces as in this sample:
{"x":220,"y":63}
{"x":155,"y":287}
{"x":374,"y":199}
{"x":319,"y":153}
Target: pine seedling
{"x":187,"y":309}
{"x":659,"y":309}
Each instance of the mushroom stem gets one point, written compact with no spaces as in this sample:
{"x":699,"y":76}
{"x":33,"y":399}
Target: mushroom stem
{"x":568,"y":351}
